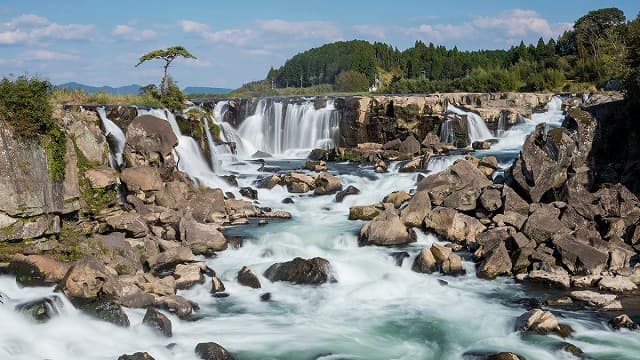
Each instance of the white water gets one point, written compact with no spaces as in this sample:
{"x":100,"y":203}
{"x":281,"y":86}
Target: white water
{"x":376,"y":310}
{"x":447,"y":132}
{"x":189,"y":158}
{"x":478,"y":129}
{"x":111,"y":129}
{"x":298,"y":129}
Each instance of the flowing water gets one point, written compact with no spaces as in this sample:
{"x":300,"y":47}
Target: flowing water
{"x":113,"y":132}
{"x":375,"y":310}
{"x":478,"y":129}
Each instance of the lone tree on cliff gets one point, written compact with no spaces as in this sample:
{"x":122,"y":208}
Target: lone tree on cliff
{"x":167,"y":55}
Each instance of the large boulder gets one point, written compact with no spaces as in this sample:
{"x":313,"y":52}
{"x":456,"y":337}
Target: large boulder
{"x":28,"y":228}
{"x":397,"y":198}
{"x":409,"y":146}
{"x":149,"y":141}
{"x":453,"y":225}
{"x":577,"y":257}
{"x":541,"y":167}
{"x":117,"y":253}
{"x":298,"y":183}
{"x":538,"y":321}
{"x":300,"y":271}
{"x":142,"y":178}
{"x":90,"y":280}
{"x":203,"y":239}
{"x":496,"y":262}
{"x":129,"y":222}
{"x":212,"y":351}
{"x":609,"y":302}
{"x":326,"y":184}
{"x":544,"y":223}
{"x":365,"y":212}
{"x":246,"y":277}
{"x":386,"y":230}
{"x":158,"y":321}
{"x":101,"y":177}
{"x":463,"y":174}
{"x":169,"y":258}
{"x":136,"y":356}
{"x":417,"y":209}
{"x":37,"y":270}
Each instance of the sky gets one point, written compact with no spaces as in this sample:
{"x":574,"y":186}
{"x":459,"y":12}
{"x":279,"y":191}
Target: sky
{"x":99,"y":42}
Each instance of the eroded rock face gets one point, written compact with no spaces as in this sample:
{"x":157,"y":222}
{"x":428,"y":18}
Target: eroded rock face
{"x":386,"y":230}
{"x":417,"y":209}
{"x":89,"y":280}
{"x":541,"y":167}
{"x":149,"y":140}
{"x":300,"y":271}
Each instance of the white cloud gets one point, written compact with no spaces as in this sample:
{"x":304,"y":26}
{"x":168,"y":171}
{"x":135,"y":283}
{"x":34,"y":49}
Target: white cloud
{"x":48,"y":55}
{"x":196,"y":62}
{"x":30,"y":28}
{"x":373,"y":30}
{"x":231,"y":36}
{"x":305,"y":29}
{"x":192,"y":26}
{"x":256,"y":52}
{"x":130,"y":33}
{"x":516,"y":22}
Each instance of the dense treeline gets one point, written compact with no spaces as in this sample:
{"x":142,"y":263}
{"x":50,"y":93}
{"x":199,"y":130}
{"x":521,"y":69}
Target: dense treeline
{"x":593,"y":53}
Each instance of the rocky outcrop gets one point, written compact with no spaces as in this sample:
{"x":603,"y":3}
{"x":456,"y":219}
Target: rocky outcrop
{"x":386,"y":230}
{"x":300,"y":271}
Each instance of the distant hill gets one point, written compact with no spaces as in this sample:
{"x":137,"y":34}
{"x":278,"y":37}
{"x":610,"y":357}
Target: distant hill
{"x":135,"y":89}
{"x":205,"y":90}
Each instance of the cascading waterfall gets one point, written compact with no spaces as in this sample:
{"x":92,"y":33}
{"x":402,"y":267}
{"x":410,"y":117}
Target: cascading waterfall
{"x":501,"y":125}
{"x":118,"y":139}
{"x":278,"y":128}
{"x":447,"y":132}
{"x":478,"y":129}
{"x":190,"y":159}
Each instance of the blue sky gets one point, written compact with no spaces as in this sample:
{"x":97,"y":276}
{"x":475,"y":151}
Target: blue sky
{"x":98,"y":42}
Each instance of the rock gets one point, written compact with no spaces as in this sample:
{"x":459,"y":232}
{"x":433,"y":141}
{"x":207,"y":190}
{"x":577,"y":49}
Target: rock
{"x":399,"y":257}
{"x":461,"y":175}
{"x":216,"y":285}
{"x":326,"y":184}
{"x":392,"y":145}
{"x":142,"y":178}
{"x":543,"y":223}
{"x":249,"y":192}
{"x":317,"y":154}
{"x":541,"y":166}
{"x":397,"y":198}
{"x":350,"y":190}
{"x":454,"y":226}
{"x":240,"y":208}
{"x":269,"y":182}
{"x":558,"y":301}
{"x":28,"y":228}
{"x":412,"y":165}
{"x":153,"y":285}
{"x":131,"y":223}
{"x":497,"y":262}
{"x":152,"y":139}
{"x":177,"y":304}
{"x":463,"y":200}
{"x":203,"y":239}
{"x":298,"y":183}
{"x":288,"y":200}
{"x":440,"y":253}
{"x":491,"y":199}
{"x":170,"y":258}
{"x":380,"y":166}
{"x":572,"y":349}
{"x":136,"y":356}
{"x":386,"y":230}
{"x":557,"y":277}
{"x":481,"y":145}
{"x":88,"y":279}
{"x":513,"y":202}
{"x":212,"y":351}
{"x":300,"y":271}
{"x":577,"y":257}
{"x":417,"y":209}
{"x":246,"y":277}
{"x":108,"y":311}
{"x":188,"y":275}
{"x":409,"y":146}
{"x":538,"y":321}
{"x":158,"y":321}
{"x":265,"y":297}
{"x":42,"y":309}
{"x":617,"y":284}
{"x":101,"y":177}
{"x":118,"y":253}
{"x":209,"y":206}
{"x":425,"y":262}
{"x":453,"y":266}
{"x":316,"y":165}
{"x":504,"y":356}
{"x":365,"y":212}
{"x":623,"y":321}
{"x":594,"y":299}
{"x":37,"y":270}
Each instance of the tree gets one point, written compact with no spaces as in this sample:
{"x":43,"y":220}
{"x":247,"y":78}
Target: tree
{"x":167,"y":55}
{"x":351,"y":81}
{"x":597,"y":29}
{"x":632,"y":81}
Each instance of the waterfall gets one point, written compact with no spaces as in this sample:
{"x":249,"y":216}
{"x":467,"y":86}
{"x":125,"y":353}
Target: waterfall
{"x":439,"y":163}
{"x":278,"y":128}
{"x":190,"y":159}
{"x":118,"y":139}
{"x":501,"y":125}
{"x":478,"y":129}
{"x":447,"y":131}
{"x":553,"y":116}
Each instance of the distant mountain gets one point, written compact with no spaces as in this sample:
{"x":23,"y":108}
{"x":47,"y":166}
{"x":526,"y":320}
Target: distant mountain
{"x":205,"y":90}
{"x":135,"y":89}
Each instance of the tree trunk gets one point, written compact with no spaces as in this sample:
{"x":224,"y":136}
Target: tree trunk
{"x":163,"y":85}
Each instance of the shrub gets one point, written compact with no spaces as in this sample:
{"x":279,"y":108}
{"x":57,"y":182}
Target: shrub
{"x":351,"y":81}
{"x":24,"y":103}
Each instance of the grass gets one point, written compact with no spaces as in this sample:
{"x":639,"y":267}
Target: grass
{"x":77,"y":96}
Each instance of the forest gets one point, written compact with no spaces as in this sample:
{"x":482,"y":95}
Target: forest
{"x":601,"y":51}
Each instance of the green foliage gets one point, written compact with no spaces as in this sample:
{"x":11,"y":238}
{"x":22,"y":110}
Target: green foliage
{"x":632,"y":79}
{"x":174,"y":97}
{"x":168,"y":55}
{"x":56,"y":146}
{"x":351,"y":81}
{"x":24,"y":103}
{"x":170,"y":94}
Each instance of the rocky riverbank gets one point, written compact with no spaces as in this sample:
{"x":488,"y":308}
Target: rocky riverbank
{"x":126,"y":227}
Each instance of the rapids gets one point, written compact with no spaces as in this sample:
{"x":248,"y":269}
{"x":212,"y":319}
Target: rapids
{"x":376,"y":310}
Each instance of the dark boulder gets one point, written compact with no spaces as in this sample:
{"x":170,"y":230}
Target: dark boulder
{"x":300,"y":271}
{"x":496,"y":262}
{"x":212,"y":351}
{"x":249,"y":192}
{"x":108,"y":311}
{"x":350,"y":190}
{"x":136,"y":356}
{"x":246,"y":277}
{"x":158,"y":321}
{"x":42,"y":309}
